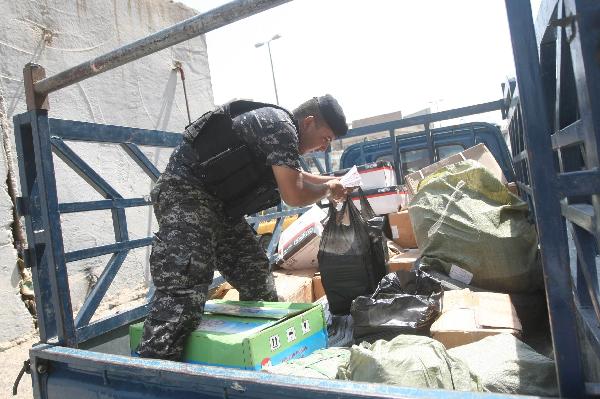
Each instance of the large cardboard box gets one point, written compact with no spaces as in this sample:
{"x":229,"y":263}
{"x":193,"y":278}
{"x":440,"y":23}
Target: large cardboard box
{"x":478,"y":153}
{"x":292,"y":286}
{"x":404,"y":261}
{"x":384,"y":200}
{"x":469,"y":316}
{"x":299,"y":243}
{"x":401,"y":229}
{"x":251,"y":335}
{"x":374,"y":175}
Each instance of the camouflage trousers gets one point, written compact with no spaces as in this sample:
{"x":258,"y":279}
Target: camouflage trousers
{"x":195,"y":237}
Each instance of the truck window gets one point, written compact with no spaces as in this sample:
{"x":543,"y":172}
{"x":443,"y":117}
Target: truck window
{"x":444,"y":151}
{"x":414,"y":160}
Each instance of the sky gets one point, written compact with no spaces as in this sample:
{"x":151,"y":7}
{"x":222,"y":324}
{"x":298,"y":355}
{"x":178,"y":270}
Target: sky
{"x":374,"y":56}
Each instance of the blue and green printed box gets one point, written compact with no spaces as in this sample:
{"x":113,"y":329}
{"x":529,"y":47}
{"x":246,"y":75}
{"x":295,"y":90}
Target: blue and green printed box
{"x":251,"y":335}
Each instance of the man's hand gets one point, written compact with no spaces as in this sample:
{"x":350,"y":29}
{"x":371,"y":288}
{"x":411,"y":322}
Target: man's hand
{"x":335,"y":191}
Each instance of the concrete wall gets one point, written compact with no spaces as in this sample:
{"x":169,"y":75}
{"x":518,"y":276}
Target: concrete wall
{"x":147,"y":93}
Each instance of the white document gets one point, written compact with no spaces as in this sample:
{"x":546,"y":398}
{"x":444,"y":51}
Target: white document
{"x":351,"y":178}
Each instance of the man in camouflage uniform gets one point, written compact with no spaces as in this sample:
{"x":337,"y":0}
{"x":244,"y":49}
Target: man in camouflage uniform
{"x":197,"y":236}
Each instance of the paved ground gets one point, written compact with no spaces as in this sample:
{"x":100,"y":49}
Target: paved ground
{"x":11,"y":360}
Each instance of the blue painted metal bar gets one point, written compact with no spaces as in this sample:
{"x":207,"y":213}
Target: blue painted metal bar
{"x":95,"y":297}
{"x":35,"y":254}
{"x":396,"y":156}
{"x":64,"y":152}
{"x":317,"y":164}
{"x":585,"y":244}
{"x":85,"y":131}
{"x":114,"y":375}
{"x":328,"y":165}
{"x":427,"y":118}
{"x":142,"y":160}
{"x":71,"y":207}
{"x":554,"y":253}
{"x":583,"y":34}
{"x":580,"y":214}
{"x":570,"y":135}
{"x":110,"y":323}
{"x":106,"y":249}
{"x":304,"y":165}
{"x":45,"y":245}
{"x":585,"y":182}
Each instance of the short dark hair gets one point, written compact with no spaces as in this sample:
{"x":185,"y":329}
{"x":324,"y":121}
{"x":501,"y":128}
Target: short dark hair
{"x":308,"y":108}
{"x":326,"y":110}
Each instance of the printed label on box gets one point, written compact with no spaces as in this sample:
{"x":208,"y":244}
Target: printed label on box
{"x":291,"y":334}
{"x":395,"y":233}
{"x":460,"y":274}
{"x":305,"y":327}
{"x":274,"y":342}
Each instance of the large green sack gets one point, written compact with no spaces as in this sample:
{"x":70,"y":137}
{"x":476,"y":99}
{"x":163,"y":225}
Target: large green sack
{"x":466,"y":219}
{"x":504,"y":364}
{"x":408,"y":361}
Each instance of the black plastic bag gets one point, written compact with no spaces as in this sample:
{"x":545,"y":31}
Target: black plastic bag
{"x":405,"y":302}
{"x":351,"y":257}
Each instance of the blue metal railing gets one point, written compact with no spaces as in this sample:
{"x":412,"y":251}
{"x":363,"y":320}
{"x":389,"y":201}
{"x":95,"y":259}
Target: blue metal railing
{"x":555,"y":134}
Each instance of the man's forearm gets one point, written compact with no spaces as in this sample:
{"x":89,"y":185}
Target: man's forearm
{"x":310,"y":193}
{"x":316,"y":179}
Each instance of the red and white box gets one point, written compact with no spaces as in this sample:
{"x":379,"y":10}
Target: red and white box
{"x":374,"y":175}
{"x":384,"y":200}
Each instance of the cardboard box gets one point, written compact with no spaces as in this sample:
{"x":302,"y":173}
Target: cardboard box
{"x":299,"y":243}
{"x":374,"y":175}
{"x":294,"y":286}
{"x":469,"y":316}
{"x":384,"y":200}
{"x":401,"y":229}
{"x":318,"y":290}
{"x":512,"y":187}
{"x":251,"y":335}
{"x":478,"y":153}
{"x":404,"y":261}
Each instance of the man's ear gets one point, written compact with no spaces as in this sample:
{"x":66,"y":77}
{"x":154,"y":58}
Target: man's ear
{"x":307,"y":122}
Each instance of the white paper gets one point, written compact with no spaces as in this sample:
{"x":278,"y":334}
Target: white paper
{"x":395,"y":233}
{"x":351,"y":178}
{"x":460,"y":274}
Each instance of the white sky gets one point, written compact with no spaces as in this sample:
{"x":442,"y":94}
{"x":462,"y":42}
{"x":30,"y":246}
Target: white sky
{"x":374,"y":56}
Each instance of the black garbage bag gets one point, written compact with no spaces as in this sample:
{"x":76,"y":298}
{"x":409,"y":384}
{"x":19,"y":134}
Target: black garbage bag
{"x":351,"y":256}
{"x":405,"y":302}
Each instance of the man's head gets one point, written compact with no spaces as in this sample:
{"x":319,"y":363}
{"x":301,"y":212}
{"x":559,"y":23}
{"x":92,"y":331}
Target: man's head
{"x":320,"y":121}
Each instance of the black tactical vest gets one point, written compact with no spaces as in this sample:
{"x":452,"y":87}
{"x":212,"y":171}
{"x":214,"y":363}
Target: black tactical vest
{"x":222,"y":162}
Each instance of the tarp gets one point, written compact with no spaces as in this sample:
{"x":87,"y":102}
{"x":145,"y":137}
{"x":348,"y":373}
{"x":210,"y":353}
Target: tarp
{"x":505,"y":364}
{"x":469,"y":226}
{"x":409,"y":361}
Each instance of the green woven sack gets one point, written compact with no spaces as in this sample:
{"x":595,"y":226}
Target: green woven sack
{"x":465,"y":219}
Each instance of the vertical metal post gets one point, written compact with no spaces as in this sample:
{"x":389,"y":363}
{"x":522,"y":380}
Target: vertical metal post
{"x":31,"y":74}
{"x":44,"y":234}
{"x":395,"y":155}
{"x":430,"y":149}
{"x":553,"y":241}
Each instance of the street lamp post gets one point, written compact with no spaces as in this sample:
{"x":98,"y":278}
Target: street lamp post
{"x":268,"y":43}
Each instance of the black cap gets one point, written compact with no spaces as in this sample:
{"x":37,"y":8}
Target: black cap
{"x":333,"y":114}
